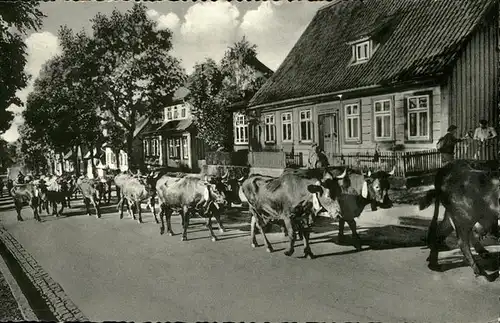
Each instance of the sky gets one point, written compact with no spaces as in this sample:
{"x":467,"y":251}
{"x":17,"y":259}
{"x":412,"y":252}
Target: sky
{"x":200,"y":30}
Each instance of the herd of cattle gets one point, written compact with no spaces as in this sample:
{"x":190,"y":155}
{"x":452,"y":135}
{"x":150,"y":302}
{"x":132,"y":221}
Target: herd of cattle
{"x":471,"y":198}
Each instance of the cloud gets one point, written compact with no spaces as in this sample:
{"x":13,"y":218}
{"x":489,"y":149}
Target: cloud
{"x":40,"y":47}
{"x":170,"y":21}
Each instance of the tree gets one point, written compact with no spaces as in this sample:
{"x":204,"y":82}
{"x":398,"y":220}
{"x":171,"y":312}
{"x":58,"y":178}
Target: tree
{"x":213,"y":88}
{"x":132,"y":70}
{"x":21,"y":16}
{"x":31,"y":150}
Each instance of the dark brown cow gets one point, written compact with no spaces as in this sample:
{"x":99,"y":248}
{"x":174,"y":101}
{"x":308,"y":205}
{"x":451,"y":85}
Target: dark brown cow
{"x":190,"y":195}
{"x":91,"y":194}
{"x":57,"y":193}
{"x":470,"y":197}
{"x":357,"y":192}
{"x":26,"y":193}
{"x":296,"y":197}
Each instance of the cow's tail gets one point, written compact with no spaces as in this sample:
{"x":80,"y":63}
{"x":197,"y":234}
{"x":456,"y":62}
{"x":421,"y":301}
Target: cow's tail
{"x":427,"y":200}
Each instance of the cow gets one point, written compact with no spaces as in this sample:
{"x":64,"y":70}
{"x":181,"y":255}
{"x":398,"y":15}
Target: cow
{"x":134,"y":190}
{"x":359,"y":190}
{"x":57,"y":193}
{"x":296,"y":197}
{"x":26,"y":193}
{"x":470,"y":197}
{"x":190,"y":195}
{"x":91,"y":194}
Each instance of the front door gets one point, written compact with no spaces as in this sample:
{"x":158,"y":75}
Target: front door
{"x":328,"y":134}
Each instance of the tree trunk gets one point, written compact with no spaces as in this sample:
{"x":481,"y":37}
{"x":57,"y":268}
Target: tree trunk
{"x":117,"y":156}
{"x":130,"y":146}
{"x":62,"y":162}
{"x":92,"y":162}
{"x":75,"y":159}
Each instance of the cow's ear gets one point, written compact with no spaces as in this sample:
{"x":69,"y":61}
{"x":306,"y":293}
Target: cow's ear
{"x":315,"y":189}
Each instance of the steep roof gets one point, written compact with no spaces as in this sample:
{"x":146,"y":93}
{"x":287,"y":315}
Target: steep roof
{"x":419,"y":39}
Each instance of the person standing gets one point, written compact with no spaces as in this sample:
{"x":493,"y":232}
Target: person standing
{"x":447,"y":144}
{"x":483,"y":135}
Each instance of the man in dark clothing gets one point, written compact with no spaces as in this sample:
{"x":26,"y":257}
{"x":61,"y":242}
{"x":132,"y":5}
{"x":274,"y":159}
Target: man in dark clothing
{"x":448,"y":143}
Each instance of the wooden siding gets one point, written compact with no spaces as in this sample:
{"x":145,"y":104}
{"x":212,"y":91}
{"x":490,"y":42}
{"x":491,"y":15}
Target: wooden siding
{"x":473,"y":83}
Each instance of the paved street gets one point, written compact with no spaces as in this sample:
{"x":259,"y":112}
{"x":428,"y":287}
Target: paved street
{"x":116,"y":269}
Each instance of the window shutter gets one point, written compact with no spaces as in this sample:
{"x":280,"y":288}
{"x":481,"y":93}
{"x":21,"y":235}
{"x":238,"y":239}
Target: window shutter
{"x":405,"y":117}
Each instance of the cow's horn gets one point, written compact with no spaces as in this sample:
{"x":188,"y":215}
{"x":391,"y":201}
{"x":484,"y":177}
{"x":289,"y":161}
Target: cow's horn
{"x":241,"y":179}
{"x":392,"y":171}
{"x":369,"y":173}
{"x":225,"y":175}
{"x":343,"y":174}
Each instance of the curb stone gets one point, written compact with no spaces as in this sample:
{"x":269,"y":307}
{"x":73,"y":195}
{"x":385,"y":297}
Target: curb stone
{"x":59,"y":303}
{"x":22,"y":302}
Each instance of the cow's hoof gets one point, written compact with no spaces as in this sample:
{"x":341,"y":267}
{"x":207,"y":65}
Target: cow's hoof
{"x":309,"y":255}
{"x":89,"y":214}
{"x":157,"y":222}
{"x":434,"y":267}
{"x":255,"y":245}
{"x":98,"y":217}
{"x":162,"y":231}
{"x":213,"y":239}
{"x":170,"y":234}
{"x":271,"y":250}
{"x":184,"y":239}
{"x":222,"y":230}
{"x":288,"y":253}
{"x":493,"y":276}
{"x":20,"y":219}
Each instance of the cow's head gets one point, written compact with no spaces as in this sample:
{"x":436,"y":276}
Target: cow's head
{"x":231,"y":189}
{"x":376,"y":188}
{"x":215,"y":192}
{"x":325,"y":195}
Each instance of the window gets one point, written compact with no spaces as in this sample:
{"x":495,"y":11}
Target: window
{"x":362,"y":51}
{"x":176,"y":113}
{"x":270,"y":130}
{"x":183,"y":112}
{"x":240,"y":129}
{"x":305,"y":125}
{"x":155,"y":147}
{"x":169,"y":114}
{"x":185,"y":149}
{"x":286,"y":123}
{"x":418,"y":117}
{"x":383,"y":119}
{"x":174,"y":148}
{"x":146,"y":146}
{"x":352,"y":122}
{"x":123,"y":159}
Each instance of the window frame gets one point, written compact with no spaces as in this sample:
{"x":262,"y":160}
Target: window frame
{"x":383,"y":114}
{"x":270,"y":128}
{"x":185,"y":149}
{"x":352,"y":116}
{"x":240,"y":124}
{"x":173,"y":152}
{"x":361,"y":45}
{"x":309,"y":121}
{"x":285,"y":124}
{"x":417,"y":111}
{"x":169,"y":113}
{"x":183,"y":112}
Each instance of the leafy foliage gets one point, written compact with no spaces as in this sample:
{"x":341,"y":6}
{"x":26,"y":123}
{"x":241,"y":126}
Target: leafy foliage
{"x":31,"y":150}
{"x":131,"y":68}
{"x":214,"y":88}
{"x":21,"y":16}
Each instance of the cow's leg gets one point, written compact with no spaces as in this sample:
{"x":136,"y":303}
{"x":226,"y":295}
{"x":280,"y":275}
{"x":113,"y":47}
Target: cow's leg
{"x":62,"y":207}
{"x":289,"y":227}
{"x":355,"y":236}
{"x":209,"y":226}
{"x":341,"y":229}
{"x":464,"y":236}
{"x":86,"y":201}
{"x":69,"y":200}
{"x":54,"y":209}
{"x":152,"y":207}
{"x":185,"y":219}
{"x":219,"y":222}
{"x":120,"y":207}
{"x":19,"y":206}
{"x":480,"y":249}
{"x":34,"y":206}
{"x":139,"y":212}
{"x":96,"y":207}
{"x":307,"y":248}
{"x":253,"y":224}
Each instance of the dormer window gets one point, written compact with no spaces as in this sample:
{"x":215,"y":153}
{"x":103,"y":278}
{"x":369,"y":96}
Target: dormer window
{"x":362,"y":51}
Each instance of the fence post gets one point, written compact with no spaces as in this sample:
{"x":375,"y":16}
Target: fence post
{"x":283,"y":159}
{"x":403,"y":156}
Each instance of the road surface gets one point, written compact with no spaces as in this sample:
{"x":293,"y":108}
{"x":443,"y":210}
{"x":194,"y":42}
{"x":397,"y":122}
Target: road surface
{"x":118,"y":270}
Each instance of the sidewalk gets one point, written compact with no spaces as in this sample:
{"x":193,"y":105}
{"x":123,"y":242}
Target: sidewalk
{"x":9,"y":309}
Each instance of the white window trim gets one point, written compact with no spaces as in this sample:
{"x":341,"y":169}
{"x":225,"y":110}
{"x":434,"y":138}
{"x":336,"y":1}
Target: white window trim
{"x":428,"y":110}
{"x":287,"y":122}
{"x":350,"y":117}
{"x":358,"y":59}
{"x":382,"y":114}
{"x":169,"y":112}
{"x":310,"y":120}
{"x":237,"y":127}
{"x":270,"y":128}
{"x":185,"y":152}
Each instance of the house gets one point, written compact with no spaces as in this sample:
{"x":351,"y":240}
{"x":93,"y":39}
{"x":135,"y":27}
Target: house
{"x":383,"y":73}
{"x":242,"y":129}
{"x":171,"y":140}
